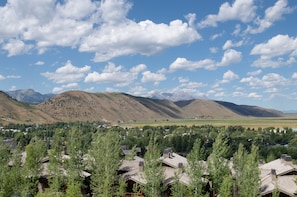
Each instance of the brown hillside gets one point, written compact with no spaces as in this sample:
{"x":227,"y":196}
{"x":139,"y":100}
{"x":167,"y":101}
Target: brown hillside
{"x":82,"y":106}
{"x":205,"y":109}
{"x":119,"y":107}
{"x":14,"y":111}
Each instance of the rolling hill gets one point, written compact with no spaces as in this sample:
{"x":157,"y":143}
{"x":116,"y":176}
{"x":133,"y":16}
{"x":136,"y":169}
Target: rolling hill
{"x":120,"y":107}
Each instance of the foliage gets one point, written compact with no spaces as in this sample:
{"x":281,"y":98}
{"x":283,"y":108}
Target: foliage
{"x":196,"y":169}
{"x":247,"y":173}
{"x":178,"y":189}
{"x":226,"y":186}
{"x":153,"y":171}
{"x":216,"y":162}
{"x":105,"y":160}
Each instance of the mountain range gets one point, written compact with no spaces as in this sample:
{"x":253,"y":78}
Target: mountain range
{"x":120,"y":107}
{"x":29,"y":96}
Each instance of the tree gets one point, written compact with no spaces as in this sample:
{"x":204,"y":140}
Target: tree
{"x":35,"y":151}
{"x":105,"y":161}
{"x":153,"y":171}
{"x":247,"y":173}
{"x":251,"y":175}
{"x":178,"y":189}
{"x":56,"y":163}
{"x":74,"y":164}
{"x":226,"y":187}
{"x":217,"y":163}
{"x":11,"y":179}
{"x":196,"y":169}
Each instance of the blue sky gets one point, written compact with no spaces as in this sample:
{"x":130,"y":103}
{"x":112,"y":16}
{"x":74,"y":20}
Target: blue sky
{"x":241,"y":51}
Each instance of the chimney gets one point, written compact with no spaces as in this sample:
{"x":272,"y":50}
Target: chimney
{"x":286,"y":159}
{"x":141,"y":165}
{"x":273,"y":174}
{"x":167,"y":153}
{"x":180,"y":167}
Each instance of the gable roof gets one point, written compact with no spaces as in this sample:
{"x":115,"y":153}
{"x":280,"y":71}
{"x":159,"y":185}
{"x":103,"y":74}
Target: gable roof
{"x":279,"y":175}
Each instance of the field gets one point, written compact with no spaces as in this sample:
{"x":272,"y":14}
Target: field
{"x":282,"y":122}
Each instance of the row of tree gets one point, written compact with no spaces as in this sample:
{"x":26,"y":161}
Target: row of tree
{"x":99,"y":152}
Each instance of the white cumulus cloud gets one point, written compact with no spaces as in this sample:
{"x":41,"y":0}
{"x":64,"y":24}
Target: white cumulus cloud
{"x":230,"y":57}
{"x":241,"y":10}
{"x":116,"y":75}
{"x":272,"y":14}
{"x":67,"y":73}
{"x":282,"y":47}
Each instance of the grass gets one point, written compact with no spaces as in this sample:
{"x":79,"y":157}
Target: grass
{"x":282,"y":122}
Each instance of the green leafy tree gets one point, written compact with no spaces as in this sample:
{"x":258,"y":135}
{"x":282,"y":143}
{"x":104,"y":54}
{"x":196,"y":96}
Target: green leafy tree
{"x":196,"y":169}
{"x":56,"y":163}
{"x":226,"y":186}
{"x":35,"y":151}
{"x":74,"y":164}
{"x":153,"y":171}
{"x":247,"y":173}
{"x":11,"y":179}
{"x":105,"y":161}
{"x":178,"y":189}
{"x":217,"y":163}
{"x":73,"y":189}
{"x":251,"y":175}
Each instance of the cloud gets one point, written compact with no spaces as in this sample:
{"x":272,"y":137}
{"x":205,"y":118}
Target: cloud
{"x":67,"y":73}
{"x":39,"y":63}
{"x":294,"y":75}
{"x":277,"y":46}
{"x":229,"y":44}
{"x":229,"y":76}
{"x":215,"y":36}
{"x":236,"y":30}
{"x":145,"y":37}
{"x":13,"y":77}
{"x":99,"y":27}
{"x":230,"y":56}
{"x":254,"y":73}
{"x":184,"y":64}
{"x":254,"y":95}
{"x":270,"y":80}
{"x":116,"y":75}
{"x":65,"y":87}
{"x":242,"y":10}
{"x":213,"y":49}
{"x":138,"y":91}
{"x":148,"y":76}
{"x":2,"y":77}
{"x":272,"y":14}
{"x":16,"y":47}
{"x":12,"y":88}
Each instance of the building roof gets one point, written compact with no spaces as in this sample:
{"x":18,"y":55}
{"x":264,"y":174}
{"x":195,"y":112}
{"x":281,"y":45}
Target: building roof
{"x":132,"y":170}
{"x":280,"y":175}
{"x":174,"y":160}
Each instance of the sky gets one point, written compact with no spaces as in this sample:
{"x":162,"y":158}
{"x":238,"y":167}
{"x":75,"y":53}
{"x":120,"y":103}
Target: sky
{"x":240,"y":51}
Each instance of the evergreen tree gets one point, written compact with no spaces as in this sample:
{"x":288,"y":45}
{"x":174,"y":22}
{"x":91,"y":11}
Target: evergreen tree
{"x":153,"y":171}
{"x":105,"y":161}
